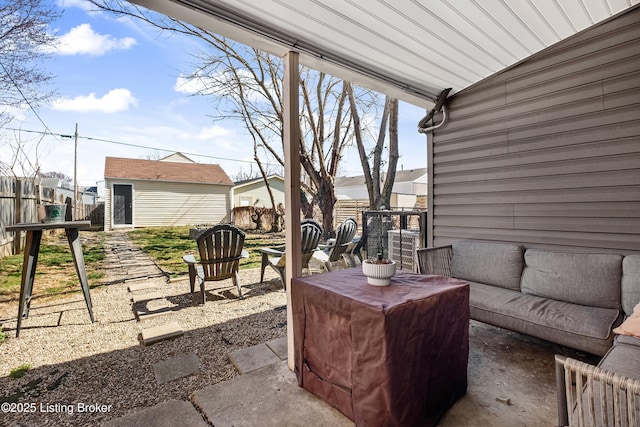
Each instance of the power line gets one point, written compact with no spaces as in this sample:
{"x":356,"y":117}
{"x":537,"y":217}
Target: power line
{"x":25,"y":98}
{"x":137,"y":146}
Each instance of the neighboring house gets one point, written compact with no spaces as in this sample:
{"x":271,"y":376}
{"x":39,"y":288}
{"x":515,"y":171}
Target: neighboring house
{"x":253,"y":192}
{"x":166,"y":192}
{"x":407,"y":186}
{"x":64,"y":189}
{"x":177,"y":157}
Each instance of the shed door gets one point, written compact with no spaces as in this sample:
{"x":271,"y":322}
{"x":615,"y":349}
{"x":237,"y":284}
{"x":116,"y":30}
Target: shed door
{"x":122,"y":204}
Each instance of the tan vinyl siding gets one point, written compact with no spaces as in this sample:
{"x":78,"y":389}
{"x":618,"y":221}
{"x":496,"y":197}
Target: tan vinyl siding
{"x":259,"y":194}
{"x":407,"y":201}
{"x":169,"y":204}
{"x":547,"y":153}
{"x":107,"y":205}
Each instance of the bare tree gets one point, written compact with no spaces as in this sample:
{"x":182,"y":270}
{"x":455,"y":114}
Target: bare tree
{"x":24,"y":39}
{"x":58,"y":175}
{"x":246,"y":85}
{"x":24,"y":158}
{"x":255,"y":173}
{"x":373,"y":161}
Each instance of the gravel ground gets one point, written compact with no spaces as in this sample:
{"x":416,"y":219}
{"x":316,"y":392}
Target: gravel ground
{"x":74,"y":362}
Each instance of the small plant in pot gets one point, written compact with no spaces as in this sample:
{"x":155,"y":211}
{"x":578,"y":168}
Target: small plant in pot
{"x":379,"y":271}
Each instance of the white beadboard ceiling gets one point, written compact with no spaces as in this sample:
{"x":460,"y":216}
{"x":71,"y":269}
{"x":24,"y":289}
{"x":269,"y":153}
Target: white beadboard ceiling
{"x":410,"y":49}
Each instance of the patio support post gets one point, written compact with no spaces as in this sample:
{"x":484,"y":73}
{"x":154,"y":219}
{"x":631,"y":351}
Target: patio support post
{"x":293,"y":267}
{"x":429,"y":224}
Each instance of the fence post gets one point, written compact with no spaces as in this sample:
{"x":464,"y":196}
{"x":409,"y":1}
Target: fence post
{"x":17,"y":238}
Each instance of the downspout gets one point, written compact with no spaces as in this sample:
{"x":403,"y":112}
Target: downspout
{"x":428,"y":131}
{"x":430,"y":128}
{"x":439,"y":105}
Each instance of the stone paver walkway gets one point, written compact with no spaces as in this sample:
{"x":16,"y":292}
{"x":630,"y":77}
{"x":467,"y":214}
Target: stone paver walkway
{"x":132,"y":265}
{"x":129,"y":262}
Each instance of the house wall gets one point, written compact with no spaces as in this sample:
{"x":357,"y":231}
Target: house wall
{"x":406,"y":201}
{"x":259,"y":194}
{"x":411,"y":187}
{"x":170,"y":204}
{"x":360,"y":192}
{"x":548,"y":152}
{"x":352,"y":192}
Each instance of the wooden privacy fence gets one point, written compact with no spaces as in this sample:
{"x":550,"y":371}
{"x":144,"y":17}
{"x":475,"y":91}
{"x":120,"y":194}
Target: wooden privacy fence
{"x":19,"y":204}
{"x":344,"y":209}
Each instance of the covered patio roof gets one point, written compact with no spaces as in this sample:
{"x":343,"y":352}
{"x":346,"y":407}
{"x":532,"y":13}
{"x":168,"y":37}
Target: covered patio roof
{"x":411,"y":49}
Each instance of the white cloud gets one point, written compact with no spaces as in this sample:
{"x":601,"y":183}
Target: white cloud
{"x":82,"y":40}
{"x":223,"y":84}
{"x":190,"y":86}
{"x":216,"y":84}
{"x":213,"y":132}
{"x":18,"y":114}
{"x":114,"y":101}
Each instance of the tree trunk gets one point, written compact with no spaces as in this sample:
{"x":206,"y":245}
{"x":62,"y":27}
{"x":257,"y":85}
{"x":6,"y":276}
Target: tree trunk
{"x":326,"y":202}
{"x":385,"y":194}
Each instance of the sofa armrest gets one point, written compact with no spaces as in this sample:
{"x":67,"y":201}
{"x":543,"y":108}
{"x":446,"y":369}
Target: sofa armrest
{"x":582,"y":389}
{"x":435,"y":261}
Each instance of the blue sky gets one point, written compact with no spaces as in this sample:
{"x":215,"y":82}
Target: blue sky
{"x":117,"y":80}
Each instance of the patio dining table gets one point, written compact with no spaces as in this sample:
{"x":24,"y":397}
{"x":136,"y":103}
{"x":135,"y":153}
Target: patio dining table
{"x":383,"y":355}
{"x":31,"y":250}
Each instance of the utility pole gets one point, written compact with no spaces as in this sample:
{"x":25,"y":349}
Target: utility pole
{"x":75,"y":177}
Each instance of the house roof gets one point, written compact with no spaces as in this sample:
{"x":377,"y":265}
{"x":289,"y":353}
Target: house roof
{"x":408,"y":175}
{"x":177,"y":157}
{"x":411,"y":50}
{"x":155,"y":170}
{"x":253,"y":180}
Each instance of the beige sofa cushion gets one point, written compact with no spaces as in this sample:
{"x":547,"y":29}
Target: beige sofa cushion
{"x":631,"y":326}
{"x":585,"y":279}
{"x":630,"y":283}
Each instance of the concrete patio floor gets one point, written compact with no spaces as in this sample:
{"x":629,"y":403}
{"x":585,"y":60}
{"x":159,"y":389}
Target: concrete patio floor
{"x":511,"y":383}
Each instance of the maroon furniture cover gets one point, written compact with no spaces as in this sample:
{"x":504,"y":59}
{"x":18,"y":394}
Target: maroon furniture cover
{"x":384,"y":356}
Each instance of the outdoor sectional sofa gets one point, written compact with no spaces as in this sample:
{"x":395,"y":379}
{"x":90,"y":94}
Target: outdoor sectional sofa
{"x":572,"y":299}
{"x":579,"y":300}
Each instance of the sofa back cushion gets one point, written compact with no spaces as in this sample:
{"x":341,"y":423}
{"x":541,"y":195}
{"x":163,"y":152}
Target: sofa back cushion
{"x":585,"y":279}
{"x":497,"y":264}
{"x":630,"y":283}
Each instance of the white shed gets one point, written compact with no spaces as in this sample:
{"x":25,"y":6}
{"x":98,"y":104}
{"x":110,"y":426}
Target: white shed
{"x":151,"y":193}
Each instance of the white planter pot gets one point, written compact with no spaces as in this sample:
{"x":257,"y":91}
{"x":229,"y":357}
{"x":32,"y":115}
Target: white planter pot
{"x":378,"y":274}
